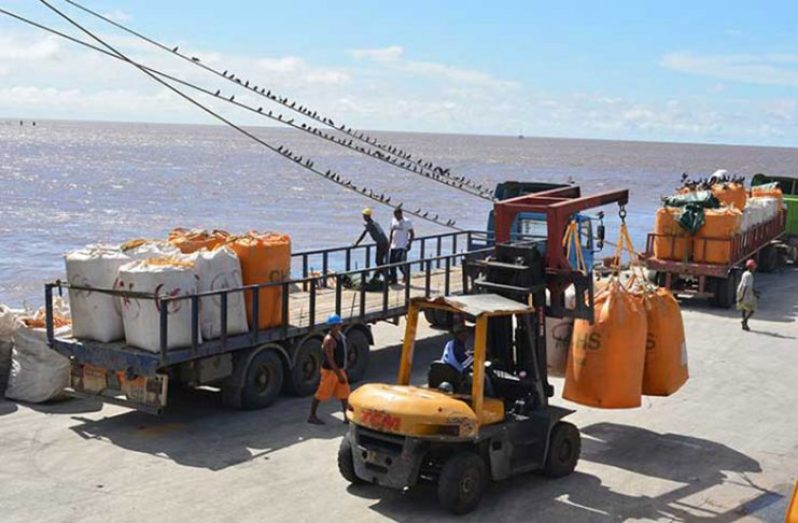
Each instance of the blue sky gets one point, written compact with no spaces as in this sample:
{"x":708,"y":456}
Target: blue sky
{"x":723,"y":72}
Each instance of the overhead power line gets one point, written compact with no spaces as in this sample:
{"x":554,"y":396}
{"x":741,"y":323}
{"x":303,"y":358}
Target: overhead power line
{"x":424,"y":167}
{"x":307,"y":164}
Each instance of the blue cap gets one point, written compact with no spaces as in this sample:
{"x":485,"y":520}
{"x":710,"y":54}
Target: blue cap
{"x":334,"y":319}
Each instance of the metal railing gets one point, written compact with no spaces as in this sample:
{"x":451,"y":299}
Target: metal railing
{"x":312,"y":296}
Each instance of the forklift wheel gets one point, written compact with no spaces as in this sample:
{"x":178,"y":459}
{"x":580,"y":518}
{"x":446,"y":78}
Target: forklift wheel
{"x":346,"y":464}
{"x":564,"y":447}
{"x":461,"y":483}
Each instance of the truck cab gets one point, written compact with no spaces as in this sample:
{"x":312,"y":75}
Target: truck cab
{"x":532,"y":225}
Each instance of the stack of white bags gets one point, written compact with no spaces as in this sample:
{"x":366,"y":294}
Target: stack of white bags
{"x":153,"y":268}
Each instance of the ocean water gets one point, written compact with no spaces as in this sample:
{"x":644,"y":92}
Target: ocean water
{"x":67,"y":184}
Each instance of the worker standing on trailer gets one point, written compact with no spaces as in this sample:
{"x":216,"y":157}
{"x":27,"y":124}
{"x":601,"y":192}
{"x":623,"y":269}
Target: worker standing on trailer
{"x":373,"y":229}
{"x":747,"y":296}
{"x":334,"y":381}
{"x":402,"y":235}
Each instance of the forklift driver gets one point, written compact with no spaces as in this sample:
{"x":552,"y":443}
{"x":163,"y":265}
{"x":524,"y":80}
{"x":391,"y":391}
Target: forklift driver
{"x":454,"y":353}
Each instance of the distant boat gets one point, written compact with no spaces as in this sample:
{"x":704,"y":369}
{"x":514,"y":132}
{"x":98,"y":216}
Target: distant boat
{"x":520,"y":136}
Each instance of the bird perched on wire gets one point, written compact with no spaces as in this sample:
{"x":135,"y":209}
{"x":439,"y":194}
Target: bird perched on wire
{"x":233,"y":97}
{"x":175,"y":49}
{"x":217,"y":92}
{"x":260,"y":109}
{"x":246,"y":84}
{"x":195,"y":59}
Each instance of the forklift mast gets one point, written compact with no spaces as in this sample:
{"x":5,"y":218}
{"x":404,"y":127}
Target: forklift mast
{"x":525,"y":270}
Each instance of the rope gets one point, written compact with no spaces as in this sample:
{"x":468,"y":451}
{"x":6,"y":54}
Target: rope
{"x":307,"y":164}
{"x":457,"y":182}
{"x":275,"y":117}
{"x":572,"y":238}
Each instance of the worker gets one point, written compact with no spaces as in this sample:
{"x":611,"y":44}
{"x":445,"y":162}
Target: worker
{"x":454,"y":353}
{"x":334,"y":381}
{"x":373,"y":229}
{"x":402,"y":235}
{"x":747,"y":296}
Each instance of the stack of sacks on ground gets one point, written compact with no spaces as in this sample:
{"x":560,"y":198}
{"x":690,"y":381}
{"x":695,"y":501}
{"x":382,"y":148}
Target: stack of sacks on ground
{"x":9,"y":323}
{"x":634,"y":347}
{"x":38,"y":373}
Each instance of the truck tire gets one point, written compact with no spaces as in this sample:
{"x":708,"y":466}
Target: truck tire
{"x":263,"y":380}
{"x":304,"y":375}
{"x":726,"y":290}
{"x":438,"y":319}
{"x":768,"y":259}
{"x":462,"y":481}
{"x":565,"y":445}
{"x":357,"y":355}
{"x":346,"y":464}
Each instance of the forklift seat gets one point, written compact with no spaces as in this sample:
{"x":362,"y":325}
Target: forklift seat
{"x":440,"y":372}
{"x":508,"y":386}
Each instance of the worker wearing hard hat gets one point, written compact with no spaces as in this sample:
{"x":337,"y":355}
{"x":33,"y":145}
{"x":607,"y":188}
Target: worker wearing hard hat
{"x":334,"y":381}
{"x":373,"y":229}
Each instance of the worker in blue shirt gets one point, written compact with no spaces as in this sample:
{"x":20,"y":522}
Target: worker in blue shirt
{"x":454,"y":353}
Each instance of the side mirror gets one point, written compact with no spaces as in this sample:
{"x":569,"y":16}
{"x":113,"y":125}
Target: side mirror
{"x":600,"y":232}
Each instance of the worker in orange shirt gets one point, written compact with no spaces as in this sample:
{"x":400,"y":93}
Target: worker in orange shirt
{"x":334,"y":381}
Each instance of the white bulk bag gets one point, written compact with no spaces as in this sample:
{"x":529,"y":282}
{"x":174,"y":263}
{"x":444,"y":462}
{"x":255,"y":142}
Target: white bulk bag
{"x":95,"y":315}
{"x":38,"y":373}
{"x":558,"y":336}
{"x":152,"y":249}
{"x":141,"y":316}
{"x":217,"y":270}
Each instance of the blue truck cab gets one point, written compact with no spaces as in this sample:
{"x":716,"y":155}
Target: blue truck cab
{"x":532,"y":225}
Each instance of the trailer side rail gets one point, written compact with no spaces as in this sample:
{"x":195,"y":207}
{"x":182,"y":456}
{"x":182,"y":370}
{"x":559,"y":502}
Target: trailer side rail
{"x":306,"y":302}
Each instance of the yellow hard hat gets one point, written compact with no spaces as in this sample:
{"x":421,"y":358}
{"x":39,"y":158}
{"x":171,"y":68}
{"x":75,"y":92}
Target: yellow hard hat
{"x":367,"y":211}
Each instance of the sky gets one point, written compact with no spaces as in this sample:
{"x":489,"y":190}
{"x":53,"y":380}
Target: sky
{"x":709,"y":71}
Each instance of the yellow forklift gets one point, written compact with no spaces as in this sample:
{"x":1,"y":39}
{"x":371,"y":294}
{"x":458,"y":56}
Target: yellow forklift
{"x":493,"y":420}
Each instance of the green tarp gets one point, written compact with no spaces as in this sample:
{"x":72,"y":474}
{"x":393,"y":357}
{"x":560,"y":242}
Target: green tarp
{"x":692,"y":204}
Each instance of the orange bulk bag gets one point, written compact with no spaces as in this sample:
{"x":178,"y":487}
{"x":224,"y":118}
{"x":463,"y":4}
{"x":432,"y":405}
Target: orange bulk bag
{"x":671,"y":240}
{"x":665,"y":368}
{"x":189,"y":241}
{"x":265,"y":258}
{"x":769,"y":190}
{"x":731,"y":194}
{"x":712,"y":242}
{"x":605,"y":363}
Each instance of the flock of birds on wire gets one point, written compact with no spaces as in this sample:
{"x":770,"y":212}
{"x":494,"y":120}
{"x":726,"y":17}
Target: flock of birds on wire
{"x":353,"y":139}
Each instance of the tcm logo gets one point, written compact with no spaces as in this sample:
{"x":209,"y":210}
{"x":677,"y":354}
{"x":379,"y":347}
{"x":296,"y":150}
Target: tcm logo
{"x":379,"y":420}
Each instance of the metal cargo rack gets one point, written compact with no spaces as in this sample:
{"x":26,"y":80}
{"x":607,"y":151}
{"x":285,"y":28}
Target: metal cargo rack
{"x":305,"y":302}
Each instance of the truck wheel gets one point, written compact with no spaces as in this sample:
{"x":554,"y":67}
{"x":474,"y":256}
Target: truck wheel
{"x":346,"y":464}
{"x":438,"y":319}
{"x":305,"y":374}
{"x":263,"y":380}
{"x":768,"y":259}
{"x":564,"y":448}
{"x":726,"y":290}
{"x":461,"y":483}
{"x":357,"y":355}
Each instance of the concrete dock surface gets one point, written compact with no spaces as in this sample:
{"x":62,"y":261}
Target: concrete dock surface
{"x":723,"y":448}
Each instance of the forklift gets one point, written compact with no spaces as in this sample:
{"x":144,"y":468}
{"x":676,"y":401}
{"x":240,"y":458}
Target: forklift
{"x":493,"y":420}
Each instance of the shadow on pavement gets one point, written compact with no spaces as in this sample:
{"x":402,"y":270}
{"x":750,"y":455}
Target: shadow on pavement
{"x":7,"y":407}
{"x":683,"y":468}
{"x":197,"y":431}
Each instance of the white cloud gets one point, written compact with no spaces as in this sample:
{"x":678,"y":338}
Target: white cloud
{"x":385,"y":54}
{"x":393,"y":58}
{"x":764,"y":69}
{"x":13,"y":49}
{"x":117,"y":15}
